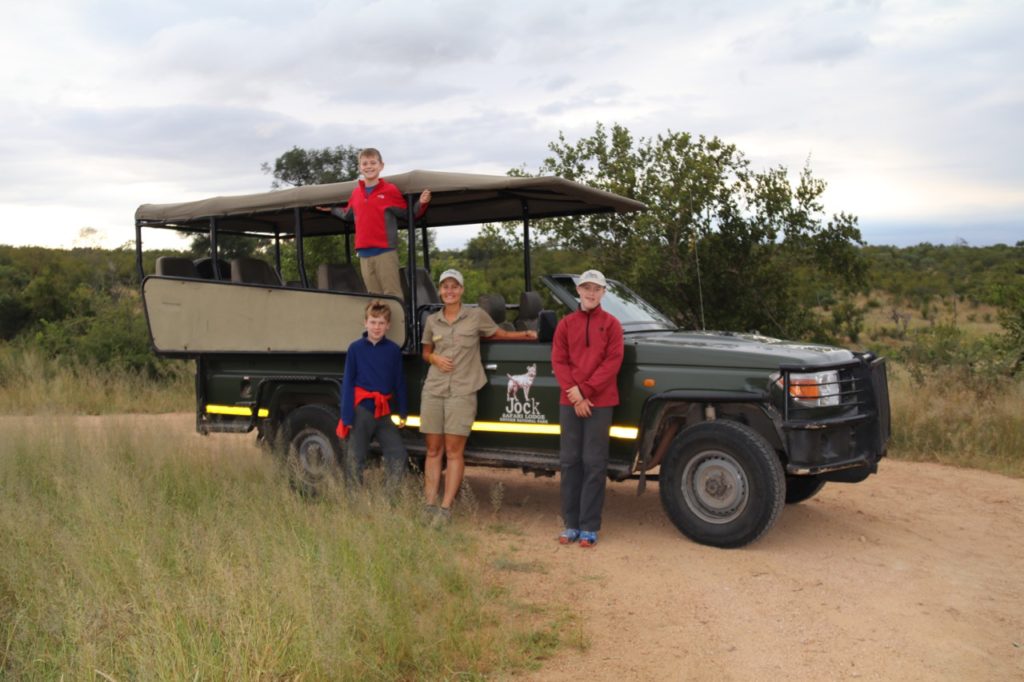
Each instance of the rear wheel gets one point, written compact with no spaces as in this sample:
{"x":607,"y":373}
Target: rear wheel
{"x":721,"y":484}
{"x":314,"y":454}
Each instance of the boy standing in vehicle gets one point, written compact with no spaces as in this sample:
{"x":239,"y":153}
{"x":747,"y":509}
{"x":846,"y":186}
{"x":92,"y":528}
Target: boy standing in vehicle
{"x":373,"y":378}
{"x":375,"y":206}
{"x":586,"y":355}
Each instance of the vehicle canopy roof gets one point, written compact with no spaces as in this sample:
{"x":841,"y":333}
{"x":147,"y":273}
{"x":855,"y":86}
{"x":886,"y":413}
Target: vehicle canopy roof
{"x":458,"y":199}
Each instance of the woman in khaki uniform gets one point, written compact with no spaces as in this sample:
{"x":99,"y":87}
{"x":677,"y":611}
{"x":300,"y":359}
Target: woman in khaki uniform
{"x":451,"y":346}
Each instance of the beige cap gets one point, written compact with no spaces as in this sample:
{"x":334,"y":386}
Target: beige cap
{"x":593,"y":277}
{"x":451,"y":274}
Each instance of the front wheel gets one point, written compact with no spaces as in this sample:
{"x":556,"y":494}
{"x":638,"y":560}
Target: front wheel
{"x":314,"y":454}
{"x":721,"y":484}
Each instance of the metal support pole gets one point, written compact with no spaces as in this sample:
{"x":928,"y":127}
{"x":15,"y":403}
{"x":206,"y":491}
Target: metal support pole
{"x":526,"y":246}
{"x":214,"y":259}
{"x":299,"y":250}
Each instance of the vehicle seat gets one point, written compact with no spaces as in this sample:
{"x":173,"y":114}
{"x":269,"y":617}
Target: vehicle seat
{"x":205,"y":268}
{"x":426,"y":291}
{"x":530,"y":305}
{"x":176,"y":266}
{"x":254,"y":271}
{"x":339,"y":277}
{"x":494,"y":305}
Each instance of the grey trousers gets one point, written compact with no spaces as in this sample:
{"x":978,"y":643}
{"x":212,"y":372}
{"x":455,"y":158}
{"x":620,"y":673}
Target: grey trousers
{"x":583,"y":458}
{"x":363,"y":430}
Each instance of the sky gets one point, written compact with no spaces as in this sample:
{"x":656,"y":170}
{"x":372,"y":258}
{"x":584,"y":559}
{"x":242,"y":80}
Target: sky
{"x":912,"y":112}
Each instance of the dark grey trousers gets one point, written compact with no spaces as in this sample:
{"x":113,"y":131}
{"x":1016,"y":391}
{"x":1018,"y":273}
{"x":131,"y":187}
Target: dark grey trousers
{"x":391,"y":445}
{"x":583,"y":457}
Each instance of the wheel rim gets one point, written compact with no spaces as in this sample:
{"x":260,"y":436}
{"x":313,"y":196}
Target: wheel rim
{"x":715,"y":487}
{"x":313,"y":452}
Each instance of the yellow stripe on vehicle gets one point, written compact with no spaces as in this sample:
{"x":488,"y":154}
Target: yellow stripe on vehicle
{"x":236,"y":411}
{"x":621,"y":432}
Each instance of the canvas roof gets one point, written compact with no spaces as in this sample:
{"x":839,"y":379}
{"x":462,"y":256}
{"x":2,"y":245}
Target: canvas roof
{"x":458,"y":199}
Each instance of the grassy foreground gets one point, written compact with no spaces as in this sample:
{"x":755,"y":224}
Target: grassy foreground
{"x":130,"y":553}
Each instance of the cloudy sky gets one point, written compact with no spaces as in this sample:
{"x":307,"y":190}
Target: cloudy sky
{"x":911,"y":111}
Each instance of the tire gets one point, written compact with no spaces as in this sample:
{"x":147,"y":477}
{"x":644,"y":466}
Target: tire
{"x":721,"y":484}
{"x":800,"y":488}
{"x":314,"y":453}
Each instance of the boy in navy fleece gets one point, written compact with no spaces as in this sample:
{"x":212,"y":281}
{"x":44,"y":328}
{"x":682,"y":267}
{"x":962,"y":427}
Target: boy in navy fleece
{"x":373,"y":379}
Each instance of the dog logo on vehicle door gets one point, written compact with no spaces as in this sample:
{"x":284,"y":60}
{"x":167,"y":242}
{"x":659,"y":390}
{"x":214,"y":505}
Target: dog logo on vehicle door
{"x":519,"y":406}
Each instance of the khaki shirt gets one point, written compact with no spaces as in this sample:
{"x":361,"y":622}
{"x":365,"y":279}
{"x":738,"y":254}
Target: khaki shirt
{"x":460,"y":341}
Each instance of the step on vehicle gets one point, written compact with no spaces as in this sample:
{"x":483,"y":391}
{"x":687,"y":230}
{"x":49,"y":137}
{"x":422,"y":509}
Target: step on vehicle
{"x":733,"y":426}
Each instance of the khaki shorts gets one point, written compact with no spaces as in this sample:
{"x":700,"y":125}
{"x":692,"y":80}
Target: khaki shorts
{"x":452,"y":415}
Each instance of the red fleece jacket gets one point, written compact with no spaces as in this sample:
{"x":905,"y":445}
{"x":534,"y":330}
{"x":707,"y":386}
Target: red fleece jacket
{"x":587,"y":352}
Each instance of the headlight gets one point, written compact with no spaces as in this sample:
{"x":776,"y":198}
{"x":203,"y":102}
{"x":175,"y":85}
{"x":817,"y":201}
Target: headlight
{"x":813,"y":389}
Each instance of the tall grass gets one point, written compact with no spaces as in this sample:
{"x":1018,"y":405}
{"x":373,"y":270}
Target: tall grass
{"x":960,"y":420}
{"x":30,"y":383}
{"x":129,"y":552}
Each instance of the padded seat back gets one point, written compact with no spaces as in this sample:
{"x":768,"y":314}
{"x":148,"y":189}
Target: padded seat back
{"x":176,"y":266}
{"x":205,"y":268}
{"x":494,"y":305}
{"x":530,"y":305}
{"x":339,"y":277}
{"x":426,"y":290}
{"x":254,"y":271}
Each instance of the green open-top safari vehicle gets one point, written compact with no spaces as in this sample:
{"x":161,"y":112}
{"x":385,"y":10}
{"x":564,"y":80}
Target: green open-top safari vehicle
{"x":733,"y":425}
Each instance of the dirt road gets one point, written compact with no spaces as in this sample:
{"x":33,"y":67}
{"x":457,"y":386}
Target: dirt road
{"x":915,"y":574}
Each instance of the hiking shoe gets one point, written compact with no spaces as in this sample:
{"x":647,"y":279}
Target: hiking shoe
{"x":568,"y":536}
{"x":588,"y":538}
{"x":442,"y":517}
{"x":429,"y":513}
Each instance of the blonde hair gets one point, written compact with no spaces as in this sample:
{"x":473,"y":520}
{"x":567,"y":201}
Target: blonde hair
{"x":378,"y":308}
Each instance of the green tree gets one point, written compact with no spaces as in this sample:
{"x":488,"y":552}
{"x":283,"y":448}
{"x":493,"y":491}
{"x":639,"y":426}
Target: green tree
{"x":299,"y":166}
{"x":720,"y":246}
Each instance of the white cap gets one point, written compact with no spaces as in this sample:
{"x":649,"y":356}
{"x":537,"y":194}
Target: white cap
{"x":594,"y":277}
{"x":451,"y":274}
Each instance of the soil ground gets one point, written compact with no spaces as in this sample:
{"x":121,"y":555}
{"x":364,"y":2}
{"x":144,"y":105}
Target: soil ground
{"x":914,"y":574}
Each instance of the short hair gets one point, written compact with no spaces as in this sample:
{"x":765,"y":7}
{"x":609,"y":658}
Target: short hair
{"x":371,"y":151}
{"x":378,"y":308}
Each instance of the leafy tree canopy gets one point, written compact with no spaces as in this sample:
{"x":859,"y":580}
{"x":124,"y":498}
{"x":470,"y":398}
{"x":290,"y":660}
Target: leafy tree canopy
{"x":721,"y":245}
{"x":299,"y":166}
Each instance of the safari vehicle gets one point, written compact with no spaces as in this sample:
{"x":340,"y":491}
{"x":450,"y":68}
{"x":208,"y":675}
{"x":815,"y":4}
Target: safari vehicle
{"x":732,"y":425}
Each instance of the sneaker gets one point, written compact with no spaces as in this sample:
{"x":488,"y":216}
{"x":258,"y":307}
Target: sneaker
{"x":588,"y":538}
{"x":429,"y":513}
{"x":442,"y":517}
{"x":568,"y":536}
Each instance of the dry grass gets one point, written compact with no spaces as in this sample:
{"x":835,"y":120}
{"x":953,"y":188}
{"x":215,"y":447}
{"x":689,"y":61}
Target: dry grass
{"x":959,"y":422}
{"x":131,"y":552}
{"x":31,"y":384}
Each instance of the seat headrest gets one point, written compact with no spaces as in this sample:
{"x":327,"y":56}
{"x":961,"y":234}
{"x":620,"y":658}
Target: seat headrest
{"x":493,"y":305}
{"x":530,"y":304}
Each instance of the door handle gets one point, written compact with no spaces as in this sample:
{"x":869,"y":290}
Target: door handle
{"x":491,"y":365}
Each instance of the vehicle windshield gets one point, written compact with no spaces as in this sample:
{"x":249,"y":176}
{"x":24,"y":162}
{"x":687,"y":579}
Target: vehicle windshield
{"x":634,"y":313}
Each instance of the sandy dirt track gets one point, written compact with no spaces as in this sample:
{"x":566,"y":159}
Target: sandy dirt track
{"x":915,"y":574}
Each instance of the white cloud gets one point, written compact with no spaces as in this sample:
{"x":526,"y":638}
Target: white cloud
{"x":909,"y":111}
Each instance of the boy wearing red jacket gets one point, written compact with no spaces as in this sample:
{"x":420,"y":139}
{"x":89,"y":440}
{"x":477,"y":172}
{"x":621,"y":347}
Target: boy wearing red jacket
{"x":375,"y":206}
{"x":587,"y":377}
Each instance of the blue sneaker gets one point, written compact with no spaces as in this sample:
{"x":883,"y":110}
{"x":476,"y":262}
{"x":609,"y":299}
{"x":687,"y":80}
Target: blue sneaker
{"x":568,"y":536}
{"x":588,"y":538}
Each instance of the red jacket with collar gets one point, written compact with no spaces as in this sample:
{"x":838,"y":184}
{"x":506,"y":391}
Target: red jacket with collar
{"x":376,"y":216}
{"x":587,"y":352}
